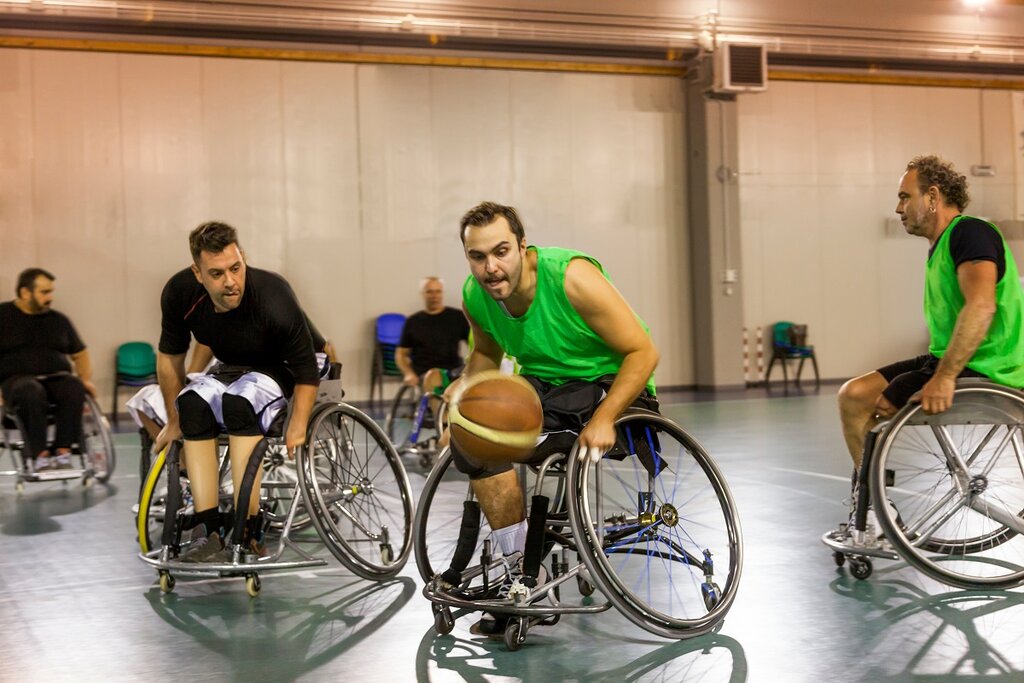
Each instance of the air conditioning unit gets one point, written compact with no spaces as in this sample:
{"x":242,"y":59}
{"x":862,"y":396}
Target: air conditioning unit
{"x":740,"y":67}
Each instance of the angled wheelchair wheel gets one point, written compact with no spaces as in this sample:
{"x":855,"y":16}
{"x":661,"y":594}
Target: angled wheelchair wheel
{"x":279,"y":484}
{"x":97,"y":444}
{"x":657,"y":528}
{"x":955,"y":482}
{"x":356,"y":491}
{"x":401,"y":418}
{"x":441,"y":513}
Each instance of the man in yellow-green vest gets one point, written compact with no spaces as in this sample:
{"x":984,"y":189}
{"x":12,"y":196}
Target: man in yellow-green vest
{"x":973,"y":304}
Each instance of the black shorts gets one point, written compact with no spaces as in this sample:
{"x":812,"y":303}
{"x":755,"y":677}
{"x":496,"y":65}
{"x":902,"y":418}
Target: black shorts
{"x":907,"y":377}
{"x":567,"y":409}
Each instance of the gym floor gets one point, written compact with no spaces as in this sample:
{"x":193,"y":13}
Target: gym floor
{"x":76,"y":604}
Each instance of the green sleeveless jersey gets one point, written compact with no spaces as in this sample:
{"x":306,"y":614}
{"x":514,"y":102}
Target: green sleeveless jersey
{"x":550,"y":341}
{"x":1000,"y":356}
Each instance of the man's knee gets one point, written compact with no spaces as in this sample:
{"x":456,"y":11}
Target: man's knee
{"x":240,"y":417}
{"x":475,"y":470}
{"x":68,"y":390}
{"x":24,"y":391}
{"x":861,"y":392}
{"x":196,"y":417}
{"x":431,"y":380}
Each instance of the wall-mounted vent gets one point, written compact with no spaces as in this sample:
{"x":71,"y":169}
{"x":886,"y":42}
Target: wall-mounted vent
{"x":740,"y":67}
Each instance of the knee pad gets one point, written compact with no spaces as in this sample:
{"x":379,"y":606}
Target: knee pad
{"x":239,"y":416}
{"x":196,"y":417}
{"x":474,"y":470}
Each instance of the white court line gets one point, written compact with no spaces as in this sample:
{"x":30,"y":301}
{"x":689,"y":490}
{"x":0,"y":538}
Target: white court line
{"x":834,"y":477}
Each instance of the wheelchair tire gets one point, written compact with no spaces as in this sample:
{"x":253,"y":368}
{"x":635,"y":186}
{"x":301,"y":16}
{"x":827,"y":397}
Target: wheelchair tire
{"x":356,"y":491}
{"x":438,"y":524}
{"x":400,"y":420}
{"x":96,"y":443}
{"x":646,"y":538}
{"x":937,"y":466}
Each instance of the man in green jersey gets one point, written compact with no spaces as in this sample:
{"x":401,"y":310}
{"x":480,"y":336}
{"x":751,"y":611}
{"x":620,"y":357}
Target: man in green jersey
{"x":576,"y":340}
{"x":973,"y":305}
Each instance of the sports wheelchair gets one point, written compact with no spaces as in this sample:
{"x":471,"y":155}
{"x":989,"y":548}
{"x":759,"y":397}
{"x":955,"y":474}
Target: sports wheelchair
{"x":652,"y":525}
{"x":94,"y":451}
{"x":947,"y":489}
{"x":347,"y":485}
{"x":411,"y":426}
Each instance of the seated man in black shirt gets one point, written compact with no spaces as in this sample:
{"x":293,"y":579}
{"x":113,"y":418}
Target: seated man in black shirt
{"x":255,"y":327}
{"x":428,"y":352}
{"x":35,"y":342}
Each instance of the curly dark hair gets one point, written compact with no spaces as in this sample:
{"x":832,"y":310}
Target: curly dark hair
{"x":933,"y":170}
{"x":213,"y":237}
{"x":485,"y":213}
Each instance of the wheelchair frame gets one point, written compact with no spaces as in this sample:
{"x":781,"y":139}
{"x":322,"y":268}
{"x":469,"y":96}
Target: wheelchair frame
{"x":94,"y":426}
{"x":308,"y":494}
{"x":648,"y":531}
{"x":978,"y":404}
{"x":426,"y":451}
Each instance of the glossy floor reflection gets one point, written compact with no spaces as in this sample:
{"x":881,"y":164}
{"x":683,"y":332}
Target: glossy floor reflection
{"x":76,"y":605}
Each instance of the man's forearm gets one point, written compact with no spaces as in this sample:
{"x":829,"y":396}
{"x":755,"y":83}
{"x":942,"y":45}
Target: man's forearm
{"x":302,"y":403}
{"x":402,"y":361}
{"x":170,"y":373}
{"x":83,"y":365}
{"x":971,"y":327}
{"x":631,"y":379}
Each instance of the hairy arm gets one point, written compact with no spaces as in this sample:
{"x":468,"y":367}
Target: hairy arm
{"x":977,"y":281}
{"x":608,"y":314}
{"x":170,"y":373}
{"x":404,"y":363}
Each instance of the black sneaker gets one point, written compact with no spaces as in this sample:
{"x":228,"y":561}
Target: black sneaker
{"x":203,"y":546}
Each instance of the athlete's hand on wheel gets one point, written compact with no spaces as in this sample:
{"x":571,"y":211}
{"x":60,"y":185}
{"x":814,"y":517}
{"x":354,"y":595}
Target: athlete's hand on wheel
{"x":410,"y":380}
{"x":170,"y":432}
{"x":936,"y":396}
{"x":294,"y":438}
{"x":596,"y":439}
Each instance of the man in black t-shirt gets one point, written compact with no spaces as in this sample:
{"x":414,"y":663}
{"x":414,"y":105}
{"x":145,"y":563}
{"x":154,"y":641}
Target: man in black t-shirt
{"x":35,"y":343}
{"x":255,"y":327}
{"x":428,"y":352}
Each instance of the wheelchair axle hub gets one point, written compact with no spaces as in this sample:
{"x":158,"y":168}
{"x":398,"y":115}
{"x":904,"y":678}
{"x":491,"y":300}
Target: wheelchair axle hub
{"x":978,"y":484}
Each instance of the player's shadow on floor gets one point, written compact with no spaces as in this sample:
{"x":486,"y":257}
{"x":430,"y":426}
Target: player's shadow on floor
{"x":294,"y":626}
{"x":922,"y":629}
{"x":32,"y":512}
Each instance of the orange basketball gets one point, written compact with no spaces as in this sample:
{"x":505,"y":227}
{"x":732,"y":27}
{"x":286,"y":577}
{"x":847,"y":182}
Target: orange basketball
{"x":496,"y":418}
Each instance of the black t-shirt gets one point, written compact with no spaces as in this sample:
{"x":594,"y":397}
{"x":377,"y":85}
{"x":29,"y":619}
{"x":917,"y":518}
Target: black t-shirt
{"x":433,"y":339}
{"x":975,"y":240}
{"x":267,"y":332}
{"x":35,"y":344}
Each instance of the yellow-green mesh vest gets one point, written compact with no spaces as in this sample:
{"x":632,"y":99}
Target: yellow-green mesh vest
{"x":550,"y":341}
{"x":1000,"y":355}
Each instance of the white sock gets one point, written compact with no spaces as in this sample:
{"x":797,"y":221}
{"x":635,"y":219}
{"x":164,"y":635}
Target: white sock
{"x":512,"y":538}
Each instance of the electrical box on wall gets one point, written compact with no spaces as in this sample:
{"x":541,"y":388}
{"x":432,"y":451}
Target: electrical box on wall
{"x":740,"y":67}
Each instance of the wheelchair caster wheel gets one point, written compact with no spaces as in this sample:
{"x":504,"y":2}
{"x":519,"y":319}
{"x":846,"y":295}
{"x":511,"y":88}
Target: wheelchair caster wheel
{"x":19,"y":488}
{"x":443,"y":621}
{"x":166,"y":583}
{"x":515,"y":634}
{"x":586,"y":588}
{"x":387,"y":555}
{"x":839,"y":558}
{"x":860,"y":567}
{"x":711,"y":593}
{"x":253,"y":585}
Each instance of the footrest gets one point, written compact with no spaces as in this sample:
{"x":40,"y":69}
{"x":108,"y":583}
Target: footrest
{"x":55,"y":475}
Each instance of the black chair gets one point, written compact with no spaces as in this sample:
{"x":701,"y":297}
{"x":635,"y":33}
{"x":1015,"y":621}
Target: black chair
{"x":387,"y":333}
{"x":789,"y":342}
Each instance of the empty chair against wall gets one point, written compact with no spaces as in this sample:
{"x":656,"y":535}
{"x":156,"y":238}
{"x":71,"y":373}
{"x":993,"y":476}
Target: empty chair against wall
{"x":135,"y":366}
{"x":789,"y":342}
{"x":387,"y":332}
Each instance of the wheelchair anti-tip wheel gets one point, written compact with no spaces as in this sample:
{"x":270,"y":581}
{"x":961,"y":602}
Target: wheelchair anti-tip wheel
{"x":956,"y":484}
{"x":657,"y":528}
{"x":356,"y":491}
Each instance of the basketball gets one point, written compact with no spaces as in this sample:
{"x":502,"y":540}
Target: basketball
{"x":496,"y":418}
